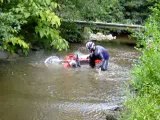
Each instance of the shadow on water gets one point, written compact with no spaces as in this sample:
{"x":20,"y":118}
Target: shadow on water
{"x":31,"y":91}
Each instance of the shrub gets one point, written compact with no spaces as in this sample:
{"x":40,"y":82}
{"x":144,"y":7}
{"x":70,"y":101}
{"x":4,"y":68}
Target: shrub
{"x":18,"y":13}
{"x":145,"y":104}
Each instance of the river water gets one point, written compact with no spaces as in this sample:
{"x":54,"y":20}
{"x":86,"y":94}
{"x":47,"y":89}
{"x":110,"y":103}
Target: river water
{"x":31,"y":91}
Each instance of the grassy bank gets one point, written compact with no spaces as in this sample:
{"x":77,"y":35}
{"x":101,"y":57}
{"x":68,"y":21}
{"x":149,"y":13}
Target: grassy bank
{"x":144,"y":99}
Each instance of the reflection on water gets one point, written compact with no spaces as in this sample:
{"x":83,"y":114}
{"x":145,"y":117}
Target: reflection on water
{"x":31,"y":91}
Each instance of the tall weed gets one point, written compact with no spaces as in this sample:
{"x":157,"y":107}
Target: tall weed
{"x":144,"y":104}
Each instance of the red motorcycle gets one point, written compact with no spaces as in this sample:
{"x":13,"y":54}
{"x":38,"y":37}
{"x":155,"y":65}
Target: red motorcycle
{"x":70,"y":61}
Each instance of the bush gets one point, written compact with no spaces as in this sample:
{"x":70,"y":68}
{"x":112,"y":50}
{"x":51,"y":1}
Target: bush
{"x":18,"y":13}
{"x":71,"y":32}
{"x":145,"y":104}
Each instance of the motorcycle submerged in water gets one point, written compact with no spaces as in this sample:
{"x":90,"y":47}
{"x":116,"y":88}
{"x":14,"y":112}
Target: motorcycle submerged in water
{"x":72,"y":60}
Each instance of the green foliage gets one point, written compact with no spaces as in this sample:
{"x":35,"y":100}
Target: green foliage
{"x":39,"y":18}
{"x":21,"y":13}
{"x":121,"y":11}
{"x":145,"y":105}
{"x":93,"y":10}
{"x":135,"y":11}
{"x":68,"y":10}
{"x":86,"y":33}
{"x":15,"y":43}
{"x":71,"y":32}
{"x":10,"y":27}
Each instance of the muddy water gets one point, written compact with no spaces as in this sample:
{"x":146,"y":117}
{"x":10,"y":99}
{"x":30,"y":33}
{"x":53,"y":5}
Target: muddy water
{"x":31,"y":91}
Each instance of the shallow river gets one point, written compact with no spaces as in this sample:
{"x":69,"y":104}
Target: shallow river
{"x":31,"y":91}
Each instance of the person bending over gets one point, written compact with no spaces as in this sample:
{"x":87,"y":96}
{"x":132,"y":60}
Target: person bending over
{"x":97,"y":52}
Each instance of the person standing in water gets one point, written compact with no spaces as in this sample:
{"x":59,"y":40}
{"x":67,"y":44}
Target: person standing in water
{"x":97,"y":52}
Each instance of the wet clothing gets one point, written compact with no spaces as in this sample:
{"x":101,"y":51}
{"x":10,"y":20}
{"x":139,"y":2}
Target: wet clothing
{"x":100,"y":53}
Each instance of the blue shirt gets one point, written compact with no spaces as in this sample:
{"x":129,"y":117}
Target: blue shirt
{"x":101,"y":52}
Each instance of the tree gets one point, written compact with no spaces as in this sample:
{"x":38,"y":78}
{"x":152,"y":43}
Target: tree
{"x":92,"y":10}
{"x":137,"y":11}
{"x":18,"y":13}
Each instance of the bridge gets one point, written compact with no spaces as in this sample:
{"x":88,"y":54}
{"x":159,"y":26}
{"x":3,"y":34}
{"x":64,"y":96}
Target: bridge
{"x":106,"y":25}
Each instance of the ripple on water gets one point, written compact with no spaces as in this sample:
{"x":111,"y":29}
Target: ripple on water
{"x":30,"y":90}
{"x":78,"y":110}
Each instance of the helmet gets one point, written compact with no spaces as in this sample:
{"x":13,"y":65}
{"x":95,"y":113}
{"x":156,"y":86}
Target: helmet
{"x":90,"y":45}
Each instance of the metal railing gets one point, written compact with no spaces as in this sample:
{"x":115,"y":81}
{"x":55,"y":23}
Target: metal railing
{"x":107,"y":25}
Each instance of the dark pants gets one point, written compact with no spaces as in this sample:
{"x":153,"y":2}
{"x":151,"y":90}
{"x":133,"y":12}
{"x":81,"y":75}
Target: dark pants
{"x":103,"y":64}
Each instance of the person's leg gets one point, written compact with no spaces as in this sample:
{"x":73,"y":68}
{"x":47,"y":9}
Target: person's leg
{"x":77,"y":61}
{"x":92,"y":61}
{"x":104,"y":65}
